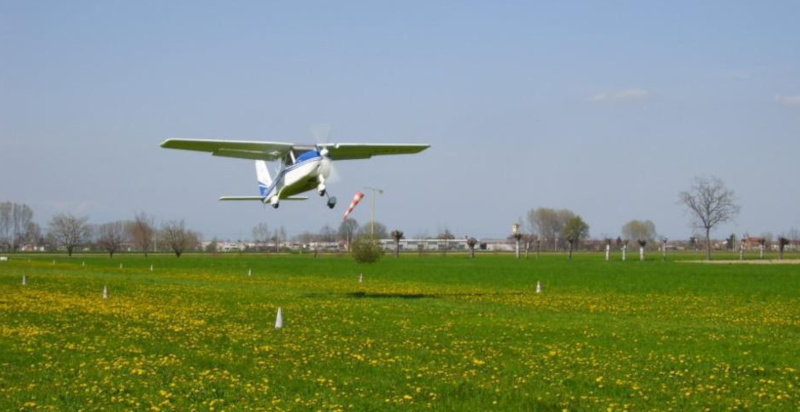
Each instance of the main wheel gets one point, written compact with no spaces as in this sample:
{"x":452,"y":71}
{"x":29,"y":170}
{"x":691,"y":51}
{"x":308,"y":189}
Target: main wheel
{"x":332,"y":202}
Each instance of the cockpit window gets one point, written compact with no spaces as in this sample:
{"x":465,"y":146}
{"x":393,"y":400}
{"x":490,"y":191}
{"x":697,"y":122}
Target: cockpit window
{"x":307,"y":155}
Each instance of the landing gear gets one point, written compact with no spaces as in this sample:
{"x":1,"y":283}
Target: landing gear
{"x":321,"y":189}
{"x":331,"y":201}
{"x":274,"y":202}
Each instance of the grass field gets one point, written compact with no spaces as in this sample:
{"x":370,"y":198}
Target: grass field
{"x":442,"y":333}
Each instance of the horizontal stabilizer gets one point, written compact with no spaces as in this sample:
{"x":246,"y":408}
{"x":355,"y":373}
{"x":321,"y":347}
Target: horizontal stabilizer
{"x":259,"y":198}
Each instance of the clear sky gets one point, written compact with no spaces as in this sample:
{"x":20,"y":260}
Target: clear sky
{"x":606,"y":108}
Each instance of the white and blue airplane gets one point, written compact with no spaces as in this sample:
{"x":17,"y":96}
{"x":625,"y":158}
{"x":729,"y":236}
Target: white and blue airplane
{"x":301,"y":167}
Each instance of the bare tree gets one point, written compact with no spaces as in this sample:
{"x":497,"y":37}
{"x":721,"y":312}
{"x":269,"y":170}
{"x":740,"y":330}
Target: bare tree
{"x":5,"y":225}
{"x":261,"y":235}
{"x":574,"y":231}
{"x":142,"y":232}
{"x":14,"y":221}
{"x":640,"y":229}
{"x":347,"y":231}
{"x":549,"y":223}
{"x":70,"y":231}
{"x":782,"y":242}
{"x":111,"y":236}
{"x":710,"y":203}
{"x":397,"y":235}
{"x":379,"y":230}
{"x":471,"y":242}
{"x":177,"y":238}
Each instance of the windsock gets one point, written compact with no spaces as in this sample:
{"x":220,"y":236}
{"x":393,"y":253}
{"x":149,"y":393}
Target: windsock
{"x":357,"y":198}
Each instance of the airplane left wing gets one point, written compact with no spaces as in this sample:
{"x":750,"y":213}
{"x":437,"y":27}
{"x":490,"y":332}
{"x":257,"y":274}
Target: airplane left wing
{"x":232,"y":148}
{"x":349,"y":151}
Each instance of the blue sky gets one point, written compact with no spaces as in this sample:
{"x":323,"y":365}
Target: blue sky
{"x":609,"y":109}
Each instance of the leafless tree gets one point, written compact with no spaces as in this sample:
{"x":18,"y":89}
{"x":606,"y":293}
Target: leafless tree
{"x":347,"y":231}
{"x":70,"y":231}
{"x":782,"y":242}
{"x":14,"y":221}
{"x":471,"y":242}
{"x":640,"y":229}
{"x":397,"y":235}
{"x":142,"y":232}
{"x":710,"y":203}
{"x":176,"y":237}
{"x":261,"y":235}
{"x":549,"y":223}
{"x":5,"y":225}
{"x":111,"y":236}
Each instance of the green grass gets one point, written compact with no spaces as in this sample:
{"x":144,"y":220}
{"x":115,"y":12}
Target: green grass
{"x":443,"y":333}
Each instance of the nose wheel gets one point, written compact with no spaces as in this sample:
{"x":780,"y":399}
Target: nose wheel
{"x":331,"y":202}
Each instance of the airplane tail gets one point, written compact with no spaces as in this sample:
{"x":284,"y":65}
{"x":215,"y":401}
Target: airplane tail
{"x":264,"y":179}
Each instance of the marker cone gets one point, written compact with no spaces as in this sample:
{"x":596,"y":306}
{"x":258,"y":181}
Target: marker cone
{"x":24,"y":280}
{"x":120,"y":265}
{"x":538,"y":287}
{"x":151,"y":267}
{"x":250,"y":272}
{"x":279,"y":319}
{"x":361,"y":278}
{"x":105,"y":292}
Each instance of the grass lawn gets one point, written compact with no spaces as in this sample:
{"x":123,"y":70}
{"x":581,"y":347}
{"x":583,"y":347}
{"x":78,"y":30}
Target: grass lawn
{"x":442,"y":333}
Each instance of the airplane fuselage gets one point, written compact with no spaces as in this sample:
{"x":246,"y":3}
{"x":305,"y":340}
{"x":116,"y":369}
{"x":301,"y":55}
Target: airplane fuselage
{"x":308,"y":172}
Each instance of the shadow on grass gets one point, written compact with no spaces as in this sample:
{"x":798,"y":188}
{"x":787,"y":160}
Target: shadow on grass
{"x":367,"y":295}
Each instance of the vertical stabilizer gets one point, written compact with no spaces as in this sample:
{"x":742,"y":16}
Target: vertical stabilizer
{"x":264,"y":179}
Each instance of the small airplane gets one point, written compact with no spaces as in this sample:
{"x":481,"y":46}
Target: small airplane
{"x":301,"y":167}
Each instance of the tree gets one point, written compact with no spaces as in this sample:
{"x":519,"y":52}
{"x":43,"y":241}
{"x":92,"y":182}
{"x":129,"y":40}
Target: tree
{"x":547,"y":224}
{"x":710,"y":203}
{"x":110,"y":237}
{"x":14,"y":221}
{"x":471,"y":242}
{"x":347,"y":230}
{"x":574,"y":231}
{"x":142,"y":232}
{"x":782,"y":242}
{"x":380,"y":230}
{"x":212,"y":246}
{"x":176,"y":237}
{"x":640,"y":230}
{"x":397,"y":235}
{"x":327,"y":234}
{"x":261,"y":235}
{"x":69,"y":231}
{"x":5,"y":225}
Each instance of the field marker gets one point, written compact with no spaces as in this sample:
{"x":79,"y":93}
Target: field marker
{"x":624,"y":252}
{"x":24,"y":280}
{"x":538,"y":287}
{"x":151,"y":267}
{"x":105,"y":292}
{"x":120,"y":265}
{"x":361,"y":278}
{"x":54,"y":261}
{"x":608,"y":252}
{"x":641,"y":253}
{"x":250,"y":272}
{"x":279,"y":319}
{"x":83,"y":263}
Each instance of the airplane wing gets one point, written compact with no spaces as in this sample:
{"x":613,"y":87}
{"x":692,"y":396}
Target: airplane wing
{"x":261,"y":199}
{"x":232,"y":148}
{"x":348,"y":151}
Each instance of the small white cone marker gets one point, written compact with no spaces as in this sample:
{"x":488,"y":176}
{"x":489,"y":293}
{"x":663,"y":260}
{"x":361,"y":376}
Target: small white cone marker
{"x":361,"y":278}
{"x":105,"y":292}
{"x":83,"y":264}
{"x":538,"y":287}
{"x":120,"y":265}
{"x":24,"y":280}
{"x":151,"y":267}
{"x":279,"y":319}
{"x":250,"y":272}
{"x":54,"y":261}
